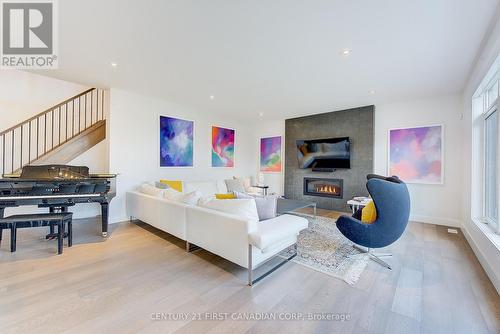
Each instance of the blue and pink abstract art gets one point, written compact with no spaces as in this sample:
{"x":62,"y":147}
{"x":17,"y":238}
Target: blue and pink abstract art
{"x":416,"y":154}
{"x":176,"y":142}
{"x":222,"y":147}
{"x":270,"y":154}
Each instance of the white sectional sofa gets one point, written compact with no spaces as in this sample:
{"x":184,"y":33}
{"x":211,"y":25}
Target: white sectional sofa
{"x":242,"y":241}
{"x":165,"y":215}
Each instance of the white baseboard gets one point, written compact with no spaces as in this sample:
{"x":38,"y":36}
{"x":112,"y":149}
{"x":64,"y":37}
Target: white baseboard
{"x":436,"y":220}
{"x":478,"y":251}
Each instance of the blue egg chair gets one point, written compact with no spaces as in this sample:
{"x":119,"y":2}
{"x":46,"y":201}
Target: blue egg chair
{"x":392,"y":202}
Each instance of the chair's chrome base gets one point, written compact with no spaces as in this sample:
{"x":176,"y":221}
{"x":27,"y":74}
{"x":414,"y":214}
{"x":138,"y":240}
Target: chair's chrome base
{"x":191,"y":248}
{"x":375,"y":256}
{"x":252,"y":281}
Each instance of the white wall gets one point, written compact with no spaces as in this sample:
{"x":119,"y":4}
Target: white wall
{"x":24,"y":94}
{"x":481,"y":240}
{"x":436,"y":204}
{"x":134,"y":140}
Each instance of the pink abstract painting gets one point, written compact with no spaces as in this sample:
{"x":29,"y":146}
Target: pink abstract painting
{"x":270,"y":154}
{"x":222,"y":147}
{"x":416,"y":154}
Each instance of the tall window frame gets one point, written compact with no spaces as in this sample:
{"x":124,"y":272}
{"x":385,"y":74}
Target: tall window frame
{"x":486,"y":105}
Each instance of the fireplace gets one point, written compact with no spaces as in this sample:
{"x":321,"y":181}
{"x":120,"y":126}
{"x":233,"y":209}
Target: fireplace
{"x":323,"y":187}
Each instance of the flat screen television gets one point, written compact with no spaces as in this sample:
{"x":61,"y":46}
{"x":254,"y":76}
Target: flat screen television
{"x":330,"y":153}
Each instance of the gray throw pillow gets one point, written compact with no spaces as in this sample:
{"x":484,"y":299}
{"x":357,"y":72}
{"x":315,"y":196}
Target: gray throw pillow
{"x":234,"y":185}
{"x":161,"y":185}
{"x":266,"y":206}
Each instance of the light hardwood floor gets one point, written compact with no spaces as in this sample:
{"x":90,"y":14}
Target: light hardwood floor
{"x":114,"y":286}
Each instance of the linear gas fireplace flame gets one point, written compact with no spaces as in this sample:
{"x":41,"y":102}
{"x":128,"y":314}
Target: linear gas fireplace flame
{"x":328,"y":189}
{"x":323,"y":187}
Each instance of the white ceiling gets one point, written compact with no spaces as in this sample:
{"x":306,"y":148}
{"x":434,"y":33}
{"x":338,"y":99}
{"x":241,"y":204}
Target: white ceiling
{"x":280,"y":57}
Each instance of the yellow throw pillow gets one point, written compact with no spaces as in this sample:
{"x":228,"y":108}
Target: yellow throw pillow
{"x":369,"y":213}
{"x":225,"y":196}
{"x":176,"y":185}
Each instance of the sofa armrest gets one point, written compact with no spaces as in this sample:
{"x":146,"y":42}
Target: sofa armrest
{"x":220,"y":233}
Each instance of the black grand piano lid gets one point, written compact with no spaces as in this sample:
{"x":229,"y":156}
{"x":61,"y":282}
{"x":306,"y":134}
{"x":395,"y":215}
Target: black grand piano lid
{"x":54,"y":172}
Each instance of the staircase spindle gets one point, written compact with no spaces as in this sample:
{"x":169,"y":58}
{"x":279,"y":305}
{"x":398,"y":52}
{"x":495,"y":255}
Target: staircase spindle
{"x":91,"y":106}
{"x":37,"y":135}
{"x":29,"y":142}
{"x":102,"y":107}
{"x":59,"y":128}
{"x":52,"y":131}
{"x":85,"y":111}
{"x":3,"y":155}
{"x":21,"y":155}
{"x":12,"y":146}
{"x":45,"y":135}
{"x":79,"y":114}
{"x":73,"y":120}
{"x":66,"y":123}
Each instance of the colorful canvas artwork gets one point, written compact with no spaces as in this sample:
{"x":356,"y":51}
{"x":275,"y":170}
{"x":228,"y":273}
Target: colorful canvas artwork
{"x":416,"y":154}
{"x":270,"y":154}
{"x":176,"y":142}
{"x":222,"y":147}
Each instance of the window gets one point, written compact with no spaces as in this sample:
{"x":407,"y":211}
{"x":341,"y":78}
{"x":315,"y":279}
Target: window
{"x":491,"y":168}
{"x":486,"y":125}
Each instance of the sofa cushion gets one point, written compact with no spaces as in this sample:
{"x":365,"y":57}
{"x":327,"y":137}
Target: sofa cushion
{"x":207,"y":188}
{"x":244,"y":208}
{"x":235,"y":185}
{"x":191,"y":198}
{"x":172,"y":195}
{"x":149,"y":189}
{"x":266,"y":205}
{"x":275,"y":230}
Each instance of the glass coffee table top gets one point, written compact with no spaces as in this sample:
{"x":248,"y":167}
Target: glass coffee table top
{"x":286,"y":205}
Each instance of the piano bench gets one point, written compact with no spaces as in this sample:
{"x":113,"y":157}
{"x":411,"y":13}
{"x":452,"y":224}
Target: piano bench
{"x":39,"y":220}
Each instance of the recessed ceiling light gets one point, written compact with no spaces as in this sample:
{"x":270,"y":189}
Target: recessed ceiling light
{"x":212,"y":97}
{"x":372,"y":92}
{"x":345,"y":52}
{"x":261,"y":114}
{"x":114,"y":64}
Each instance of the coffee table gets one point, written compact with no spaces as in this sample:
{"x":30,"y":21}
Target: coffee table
{"x":287,"y":206}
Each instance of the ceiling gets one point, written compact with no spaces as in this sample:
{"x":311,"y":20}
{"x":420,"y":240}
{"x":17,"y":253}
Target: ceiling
{"x":277,"y":57}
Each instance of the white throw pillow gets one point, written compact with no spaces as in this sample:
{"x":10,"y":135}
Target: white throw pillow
{"x":172,"y":195}
{"x":247,"y":182}
{"x":235,"y":185}
{"x":244,"y":208}
{"x":192,"y":198}
{"x":149,"y":189}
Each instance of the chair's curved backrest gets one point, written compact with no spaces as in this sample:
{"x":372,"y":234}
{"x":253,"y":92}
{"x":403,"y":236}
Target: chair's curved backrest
{"x":392,"y":201}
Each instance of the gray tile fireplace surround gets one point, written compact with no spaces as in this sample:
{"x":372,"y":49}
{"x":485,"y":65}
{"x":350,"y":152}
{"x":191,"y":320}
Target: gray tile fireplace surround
{"x":357,"y":124}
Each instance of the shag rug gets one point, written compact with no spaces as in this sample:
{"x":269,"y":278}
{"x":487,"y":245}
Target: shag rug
{"x":323,"y":248}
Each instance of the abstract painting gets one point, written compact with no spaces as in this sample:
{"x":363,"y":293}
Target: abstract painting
{"x":222,"y":147}
{"x":270,"y":154}
{"x":416,"y":154}
{"x":176,"y":142}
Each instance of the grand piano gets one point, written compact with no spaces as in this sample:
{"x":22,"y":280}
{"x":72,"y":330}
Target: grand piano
{"x":57,"y":187}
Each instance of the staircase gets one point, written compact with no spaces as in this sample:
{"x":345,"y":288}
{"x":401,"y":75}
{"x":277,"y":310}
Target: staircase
{"x":57,"y":135}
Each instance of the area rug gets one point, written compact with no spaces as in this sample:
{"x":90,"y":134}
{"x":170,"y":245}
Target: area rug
{"x":323,"y":248}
